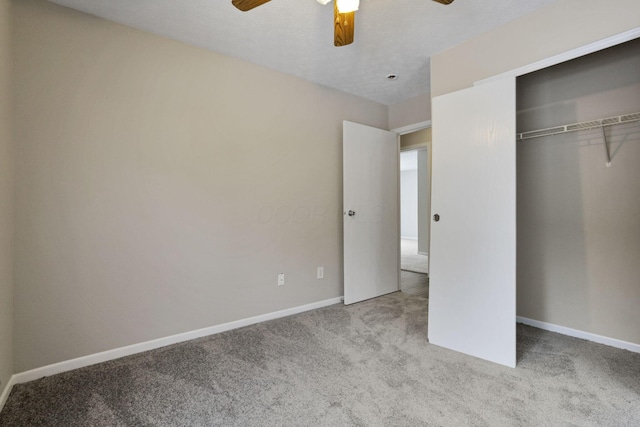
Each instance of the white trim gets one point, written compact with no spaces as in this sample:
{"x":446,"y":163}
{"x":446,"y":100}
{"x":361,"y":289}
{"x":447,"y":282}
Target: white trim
{"x":398,"y":206}
{"x":7,"y":390}
{"x":117,"y":353}
{"x":408,"y":238}
{"x":416,"y":147}
{"x":612,"y":342}
{"x":403,"y":130}
{"x":567,"y":56}
{"x":423,"y":253}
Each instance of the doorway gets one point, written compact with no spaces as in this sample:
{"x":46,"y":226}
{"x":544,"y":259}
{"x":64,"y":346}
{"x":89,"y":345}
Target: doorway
{"x":415,"y":212}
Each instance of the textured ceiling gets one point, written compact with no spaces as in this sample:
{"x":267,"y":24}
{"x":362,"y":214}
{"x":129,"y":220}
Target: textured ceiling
{"x":296,"y":36}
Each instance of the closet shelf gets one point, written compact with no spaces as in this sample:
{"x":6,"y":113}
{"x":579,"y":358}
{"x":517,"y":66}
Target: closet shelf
{"x":593,"y":124}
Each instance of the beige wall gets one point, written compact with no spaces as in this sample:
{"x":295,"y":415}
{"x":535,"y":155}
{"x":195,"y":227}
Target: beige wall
{"x":415,"y":139}
{"x":579,"y":221}
{"x":161,"y":188}
{"x":411,"y":111}
{"x":557,"y":28}
{"x":6,"y":199}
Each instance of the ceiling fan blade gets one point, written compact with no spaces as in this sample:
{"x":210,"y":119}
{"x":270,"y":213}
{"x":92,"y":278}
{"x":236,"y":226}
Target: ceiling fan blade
{"x":343,"y":26}
{"x":245,"y":5}
{"x":444,"y":1}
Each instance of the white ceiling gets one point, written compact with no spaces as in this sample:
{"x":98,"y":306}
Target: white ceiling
{"x":296,"y":36}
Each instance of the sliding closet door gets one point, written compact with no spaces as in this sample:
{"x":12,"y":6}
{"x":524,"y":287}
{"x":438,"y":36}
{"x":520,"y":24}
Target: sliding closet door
{"x":472,"y":292}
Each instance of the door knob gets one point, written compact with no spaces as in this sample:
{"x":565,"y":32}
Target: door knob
{"x":436,"y":217}
{"x":352,"y":213}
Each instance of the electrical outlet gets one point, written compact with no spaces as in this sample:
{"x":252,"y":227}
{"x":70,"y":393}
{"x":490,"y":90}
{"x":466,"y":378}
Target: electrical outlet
{"x":320,"y":273}
{"x":280,"y":279}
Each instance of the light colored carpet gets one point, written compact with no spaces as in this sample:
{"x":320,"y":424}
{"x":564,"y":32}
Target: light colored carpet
{"x":367,"y":364}
{"x":414,"y":283}
{"x":410,"y":259}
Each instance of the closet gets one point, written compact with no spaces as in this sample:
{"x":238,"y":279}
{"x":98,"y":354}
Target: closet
{"x":536,"y":206}
{"x":578,"y":194}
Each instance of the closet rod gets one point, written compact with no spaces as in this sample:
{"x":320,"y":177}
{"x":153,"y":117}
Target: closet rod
{"x":593,"y":124}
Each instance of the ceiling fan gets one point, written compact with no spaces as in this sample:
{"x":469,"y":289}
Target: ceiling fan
{"x":344,"y":12}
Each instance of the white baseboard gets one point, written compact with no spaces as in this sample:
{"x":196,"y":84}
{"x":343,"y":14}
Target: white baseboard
{"x":5,"y":392}
{"x":117,"y":353}
{"x":423,"y":253}
{"x":408,"y":238}
{"x":612,"y":342}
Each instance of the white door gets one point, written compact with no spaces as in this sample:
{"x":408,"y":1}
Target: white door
{"x":472,"y":289}
{"x":371,"y":221}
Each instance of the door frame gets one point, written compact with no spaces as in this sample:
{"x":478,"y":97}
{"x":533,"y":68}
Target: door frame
{"x":403,"y":131}
{"x":566,"y":56}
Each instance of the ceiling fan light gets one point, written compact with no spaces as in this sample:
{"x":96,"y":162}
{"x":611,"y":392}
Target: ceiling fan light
{"x":346,"y":6}
{"x":323,"y":2}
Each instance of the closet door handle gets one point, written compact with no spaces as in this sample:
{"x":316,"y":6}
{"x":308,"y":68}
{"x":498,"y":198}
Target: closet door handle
{"x":436,"y":217}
